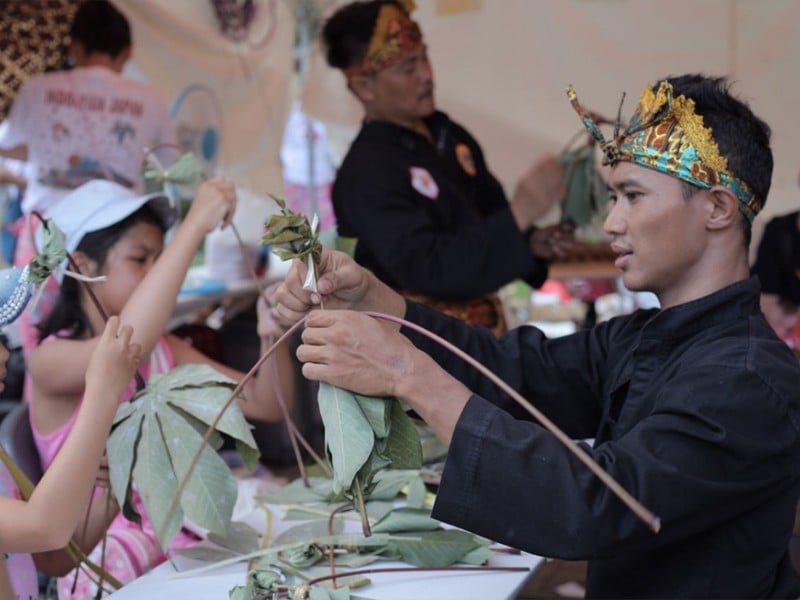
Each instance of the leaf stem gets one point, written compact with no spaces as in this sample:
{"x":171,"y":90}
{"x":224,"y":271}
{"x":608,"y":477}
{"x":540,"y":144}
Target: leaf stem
{"x":361,"y":506}
{"x":213,"y":425}
{"x":651,"y":520}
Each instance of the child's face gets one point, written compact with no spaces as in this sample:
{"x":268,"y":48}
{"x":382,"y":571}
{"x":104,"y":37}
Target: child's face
{"x":127,"y":262}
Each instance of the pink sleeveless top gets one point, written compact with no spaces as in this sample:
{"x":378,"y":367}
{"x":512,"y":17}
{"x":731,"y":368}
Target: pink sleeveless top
{"x":131,"y":550}
{"x":161,"y":361}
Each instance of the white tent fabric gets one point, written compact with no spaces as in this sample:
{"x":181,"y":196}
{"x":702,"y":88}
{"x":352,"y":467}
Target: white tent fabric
{"x":501,"y":67}
{"x":178,"y":43}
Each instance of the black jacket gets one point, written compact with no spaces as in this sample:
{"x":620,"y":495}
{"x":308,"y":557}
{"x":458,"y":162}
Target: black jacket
{"x":695,"y":410}
{"x":453,"y":236}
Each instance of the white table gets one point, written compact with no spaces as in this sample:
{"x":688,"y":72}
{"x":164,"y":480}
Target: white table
{"x":163,"y":583}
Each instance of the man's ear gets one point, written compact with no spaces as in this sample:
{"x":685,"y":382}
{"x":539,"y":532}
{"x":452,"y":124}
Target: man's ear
{"x":361,"y":86}
{"x":724,"y":208}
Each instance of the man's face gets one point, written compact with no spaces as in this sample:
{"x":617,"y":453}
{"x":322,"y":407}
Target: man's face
{"x":403,"y":92}
{"x":659,"y":236}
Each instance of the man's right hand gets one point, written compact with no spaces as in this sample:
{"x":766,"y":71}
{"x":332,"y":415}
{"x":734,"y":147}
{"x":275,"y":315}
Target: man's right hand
{"x":341,"y":284}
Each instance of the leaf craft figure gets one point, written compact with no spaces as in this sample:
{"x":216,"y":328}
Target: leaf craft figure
{"x":186,"y":170}
{"x":153,"y":442}
{"x":17,"y":284}
{"x":290,"y":235}
{"x":363,"y":435}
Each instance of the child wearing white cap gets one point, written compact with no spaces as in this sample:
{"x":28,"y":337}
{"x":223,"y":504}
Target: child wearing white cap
{"x":112,"y":232}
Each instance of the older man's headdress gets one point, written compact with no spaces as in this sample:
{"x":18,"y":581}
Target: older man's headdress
{"x":394,"y":36}
{"x":666,"y":134}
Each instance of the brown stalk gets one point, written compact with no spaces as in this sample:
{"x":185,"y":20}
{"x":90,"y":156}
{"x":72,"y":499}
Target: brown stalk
{"x":212,"y":426}
{"x":652,"y":521}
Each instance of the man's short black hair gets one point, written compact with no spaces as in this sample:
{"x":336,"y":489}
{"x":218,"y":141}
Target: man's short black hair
{"x":743,"y":138}
{"x":347,"y":33}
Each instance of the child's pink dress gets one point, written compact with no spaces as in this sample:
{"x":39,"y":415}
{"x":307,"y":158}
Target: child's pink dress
{"x":20,"y":567}
{"x":130,"y":550}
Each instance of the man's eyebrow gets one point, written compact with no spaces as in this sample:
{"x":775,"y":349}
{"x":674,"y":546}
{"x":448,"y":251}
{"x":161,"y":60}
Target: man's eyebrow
{"x":623,"y":185}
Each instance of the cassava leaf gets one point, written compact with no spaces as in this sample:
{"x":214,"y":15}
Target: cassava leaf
{"x":433,"y":548}
{"x":121,"y":449}
{"x":156,"y":438}
{"x":403,"y":448}
{"x":154,"y":478}
{"x":296,"y":492}
{"x":348,"y":435}
{"x":210,"y":493}
{"x":378,"y":412}
{"x":406,"y":519}
{"x":186,"y":170}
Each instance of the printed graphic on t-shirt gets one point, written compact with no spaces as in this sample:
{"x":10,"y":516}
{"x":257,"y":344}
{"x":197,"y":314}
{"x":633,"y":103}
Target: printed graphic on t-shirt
{"x":424,"y":183}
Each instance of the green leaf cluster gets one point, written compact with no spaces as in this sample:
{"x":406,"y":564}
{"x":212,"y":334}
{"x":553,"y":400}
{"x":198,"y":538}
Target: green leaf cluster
{"x":290,"y":235}
{"x":364,"y":435}
{"x":186,"y":170}
{"x":154,"y":441}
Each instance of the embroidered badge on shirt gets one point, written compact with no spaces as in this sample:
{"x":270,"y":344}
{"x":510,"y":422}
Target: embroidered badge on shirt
{"x":424,"y":183}
{"x":464,"y":156}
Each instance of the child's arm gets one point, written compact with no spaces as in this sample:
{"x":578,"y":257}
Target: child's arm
{"x":48,"y":520}
{"x":275,"y":376}
{"x":57,"y":367}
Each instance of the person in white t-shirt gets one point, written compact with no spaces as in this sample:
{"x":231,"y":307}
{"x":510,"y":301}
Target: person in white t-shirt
{"x":88,"y":122}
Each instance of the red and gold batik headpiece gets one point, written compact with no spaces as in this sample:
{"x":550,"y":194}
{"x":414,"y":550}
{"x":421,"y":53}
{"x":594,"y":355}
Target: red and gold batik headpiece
{"x":667,"y":135}
{"x":395,"y":36}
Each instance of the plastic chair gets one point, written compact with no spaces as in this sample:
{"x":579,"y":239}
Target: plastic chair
{"x":17,"y":439}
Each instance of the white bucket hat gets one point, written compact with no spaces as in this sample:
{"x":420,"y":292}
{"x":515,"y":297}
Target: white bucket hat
{"x":98,"y":204}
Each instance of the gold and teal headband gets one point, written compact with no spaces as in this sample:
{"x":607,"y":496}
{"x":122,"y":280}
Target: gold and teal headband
{"x":667,"y":135}
{"x":394,"y":36}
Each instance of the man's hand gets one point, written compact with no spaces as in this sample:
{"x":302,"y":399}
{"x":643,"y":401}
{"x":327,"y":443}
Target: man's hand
{"x":552,"y":242}
{"x":541,"y":188}
{"x":342,"y":284}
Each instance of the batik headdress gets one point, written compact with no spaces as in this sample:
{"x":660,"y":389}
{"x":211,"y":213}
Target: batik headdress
{"x":394,"y":36}
{"x":667,"y":135}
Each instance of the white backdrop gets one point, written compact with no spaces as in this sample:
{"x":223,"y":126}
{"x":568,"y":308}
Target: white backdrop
{"x":501,"y":67}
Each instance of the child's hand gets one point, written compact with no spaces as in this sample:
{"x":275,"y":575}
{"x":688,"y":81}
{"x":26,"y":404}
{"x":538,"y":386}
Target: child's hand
{"x":114,"y":359}
{"x":213,"y":204}
{"x":268,"y":325}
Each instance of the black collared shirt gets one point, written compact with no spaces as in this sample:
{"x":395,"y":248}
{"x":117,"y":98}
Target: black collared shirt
{"x":695,"y":411}
{"x":429,"y":217}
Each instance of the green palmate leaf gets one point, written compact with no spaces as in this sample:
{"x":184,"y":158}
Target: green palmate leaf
{"x":210,"y":493}
{"x":308,"y":531}
{"x":297,"y":493}
{"x":260,"y":584}
{"x":154,"y":477}
{"x":348,"y":435}
{"x":415,"y":493}
{"x":316,"y":592}
{"x":378,"y":412}
{"x":433,"y":548}
{"x":121,"y":449}
{"x":156,"y":438}
{"x":406,"y":519}
{"x":403,"y":447}
{"x":479,"y":556}
{"x":390,"y":482}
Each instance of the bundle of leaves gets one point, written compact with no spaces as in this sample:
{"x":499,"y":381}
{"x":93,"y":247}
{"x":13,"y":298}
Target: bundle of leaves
{"x":301,"y":554}
{"x":362,"y":434}
{"x":289,"y":235}
{"x":153,"y":444}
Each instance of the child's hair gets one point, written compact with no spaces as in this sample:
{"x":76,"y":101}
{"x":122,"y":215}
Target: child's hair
{"x":67,"y":318}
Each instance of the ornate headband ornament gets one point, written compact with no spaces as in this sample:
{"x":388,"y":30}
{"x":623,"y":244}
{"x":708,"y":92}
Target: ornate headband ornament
{"x":667,"y":135}
{"x":395,"y":36}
